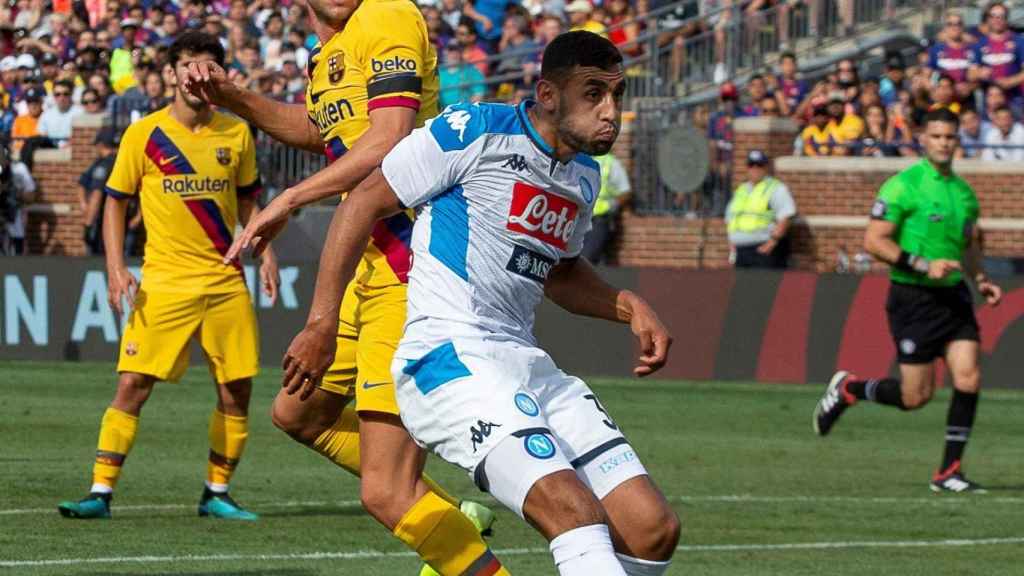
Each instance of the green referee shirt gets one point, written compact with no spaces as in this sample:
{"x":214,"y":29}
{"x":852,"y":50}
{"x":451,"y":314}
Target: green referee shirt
{"x":934,"y":216}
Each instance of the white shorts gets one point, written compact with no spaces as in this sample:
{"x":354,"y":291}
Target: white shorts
{"x":465,"y":396}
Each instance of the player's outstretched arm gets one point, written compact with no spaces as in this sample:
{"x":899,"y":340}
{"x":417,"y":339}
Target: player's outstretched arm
{"x":575,"y":286}
{"x":288,"y":123}
{"x":387,"y":127}
{"x":975,"y":270}
{"x":312,"y":350}
{"x":121,"y":283}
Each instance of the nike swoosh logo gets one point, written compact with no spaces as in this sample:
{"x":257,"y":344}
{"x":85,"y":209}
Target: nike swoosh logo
{"x":166,"y":161}
{"x":367,"y":385}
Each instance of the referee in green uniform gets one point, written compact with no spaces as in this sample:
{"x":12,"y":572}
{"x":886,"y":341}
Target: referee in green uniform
{"x":924,"y":225}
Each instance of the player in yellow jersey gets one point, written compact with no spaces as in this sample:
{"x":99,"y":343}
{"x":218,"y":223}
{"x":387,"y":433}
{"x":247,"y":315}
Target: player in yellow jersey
{"x":373,"y":78}
{"x":194,"y":170}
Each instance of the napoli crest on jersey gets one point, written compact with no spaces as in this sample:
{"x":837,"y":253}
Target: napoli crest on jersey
{"x":526,"y":404}
{"x":336,"y":67}
{"x":587,"y":189}
{"x":224,"y":156}
{"x":539,"y":446}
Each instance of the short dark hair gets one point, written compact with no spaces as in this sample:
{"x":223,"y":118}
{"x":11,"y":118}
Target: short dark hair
{"x":577,"y":48}
{"x":788,"y":56}
{"x":944,"y":115}
{"x":1003,"y":108}
{"x":992,"y":5}
{"x":195,"y":42}
{"x":65,"y":84}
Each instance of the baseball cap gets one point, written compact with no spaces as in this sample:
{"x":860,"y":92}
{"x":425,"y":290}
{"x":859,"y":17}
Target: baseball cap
{"x":894,"y":62}
{"x":129,"y":23}
{"x":49,"y":59}
{"x":8,"y":63}
{"x":578,"y":6}
{"x":757,"y":158}
{"x":26,"y":61}
{"x":34,"y":95}
{"x":728,"y":91}
{"x":106,"y":137}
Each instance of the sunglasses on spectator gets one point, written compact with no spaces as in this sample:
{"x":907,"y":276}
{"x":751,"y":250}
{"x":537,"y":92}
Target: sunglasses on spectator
{"x":90,"y":101}
{"x":61,"y":94}
{"x":955,"y":24}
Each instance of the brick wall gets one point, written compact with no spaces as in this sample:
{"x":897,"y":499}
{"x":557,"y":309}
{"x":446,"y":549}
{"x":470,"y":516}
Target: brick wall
{"x":833,"y":197}
{"x":55,"y":220}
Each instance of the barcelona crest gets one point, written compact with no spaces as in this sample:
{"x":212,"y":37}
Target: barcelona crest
{"x":224,"y":156}
{"x":336,"y":67}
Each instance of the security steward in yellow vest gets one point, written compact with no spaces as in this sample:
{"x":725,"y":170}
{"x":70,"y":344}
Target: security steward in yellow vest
{"x":614,"y":194}
{"x":758,"y":217}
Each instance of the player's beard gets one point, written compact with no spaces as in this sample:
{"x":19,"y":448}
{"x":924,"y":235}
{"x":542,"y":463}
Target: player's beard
{"x":568,"y":134}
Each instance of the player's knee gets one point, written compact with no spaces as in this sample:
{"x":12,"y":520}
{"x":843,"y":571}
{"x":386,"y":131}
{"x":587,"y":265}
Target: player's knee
{"x":291,"y":421}
{"x":968,"y":380}
{"x":914,"y":399}
{"x":234,"y":396}
{"x":133,"y":390}
{"x":560,"y":502}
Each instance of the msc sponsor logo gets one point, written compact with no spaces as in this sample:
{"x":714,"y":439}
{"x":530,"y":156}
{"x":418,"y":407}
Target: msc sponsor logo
{"x":617,"y":460}
{"x":393,"y":64}
{"x":188,"y":185}
{"x":529,"y":264}
{"x":330,"y":113}
{"x":542,"y":215}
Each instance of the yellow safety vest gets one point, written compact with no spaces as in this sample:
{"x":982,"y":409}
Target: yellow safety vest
{"x":750,"y":210}
{"x":606,"y":197}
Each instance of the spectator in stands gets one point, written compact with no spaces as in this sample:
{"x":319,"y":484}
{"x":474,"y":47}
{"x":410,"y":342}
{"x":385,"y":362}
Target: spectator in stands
{"x":972,"y":134}
{"x":272,"y":40}
{"x":519,"y":56}
{"x":549,"y":27}
{"x":156,"y":92}
{"x":756,"y":91}
{"x":55,"y":122}
{"x":460,"y":81}
{"x":168,"y":30}
{"x":472,"y":53}
{"x":122,"y":66}
{"x":952,"y":56}
{"x":614,"y":196}
{"x":489,"y":19}
{"x":581,"y":18}
{"x":758,"y":217}
{"x":895,"y":79}
{"x":18,"y":190}
{"x":819,"y":138}
{"x":770,"y":107}
{"x":91,"y":102}
{"x":845,"y":123}
{"x":9,"y":80}
{"x":791,"y":88}
{"x":26,"y":125}
{"x":1005,"y":141}
{"x":451,"y":12}
{"x":625,"y":28}
{"x":877,"y":140}
{"x":999,"y":54}
{"x":720,"y":131}
{"x":943,"y":95}
{"x":90,"y":190}
{"x":995,"y":98}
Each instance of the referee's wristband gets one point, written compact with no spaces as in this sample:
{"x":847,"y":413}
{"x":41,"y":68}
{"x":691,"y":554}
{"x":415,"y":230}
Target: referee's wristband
{"x":912,"y":263}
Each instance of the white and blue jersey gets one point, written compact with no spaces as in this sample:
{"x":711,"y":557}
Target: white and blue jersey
{"x":495,"y":212}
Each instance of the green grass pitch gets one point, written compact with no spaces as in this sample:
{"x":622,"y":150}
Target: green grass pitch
{"x":758,"y":493}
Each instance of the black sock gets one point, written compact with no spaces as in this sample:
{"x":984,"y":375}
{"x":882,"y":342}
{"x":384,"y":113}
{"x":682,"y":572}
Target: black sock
{"x":958,"y":426}
{"x":884,"y":391}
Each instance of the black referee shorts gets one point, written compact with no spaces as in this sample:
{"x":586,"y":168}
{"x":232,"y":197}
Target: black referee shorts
{"x":924,"y":320}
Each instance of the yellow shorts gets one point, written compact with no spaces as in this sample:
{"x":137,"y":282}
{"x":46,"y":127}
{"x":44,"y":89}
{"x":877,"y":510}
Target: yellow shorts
{"x":369,"y":328}
{"x":155,"y":341}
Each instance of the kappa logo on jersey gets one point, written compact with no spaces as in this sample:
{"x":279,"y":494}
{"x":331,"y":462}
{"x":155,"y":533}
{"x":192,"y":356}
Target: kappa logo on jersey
{"x":544,"y":216}
{"x":393,"y":64}
{"x":458,"y":120}
{"x":480,"y":432}
{"x":516,"y":162}
{"x":529,"y":264}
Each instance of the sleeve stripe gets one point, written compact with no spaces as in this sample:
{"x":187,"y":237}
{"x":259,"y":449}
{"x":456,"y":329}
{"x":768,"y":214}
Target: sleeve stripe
{"x":250,"y":189}
{"x":393,"y":102}
{"x":395,"y":84}
{"x":116,"y":193}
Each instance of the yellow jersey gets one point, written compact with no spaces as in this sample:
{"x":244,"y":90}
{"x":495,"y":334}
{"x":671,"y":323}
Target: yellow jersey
{"x":382,"y":58}
{"x":188,"y":185}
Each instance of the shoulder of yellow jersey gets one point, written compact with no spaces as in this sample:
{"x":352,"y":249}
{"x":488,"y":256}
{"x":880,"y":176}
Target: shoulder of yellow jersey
{"x":385,"y":17}
{"x":143,"y":127}
{"x":228,"y":123}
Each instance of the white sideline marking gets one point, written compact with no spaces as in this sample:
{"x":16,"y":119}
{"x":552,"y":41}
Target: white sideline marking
{"x":738,"y":498}
{"x":372,"y":554}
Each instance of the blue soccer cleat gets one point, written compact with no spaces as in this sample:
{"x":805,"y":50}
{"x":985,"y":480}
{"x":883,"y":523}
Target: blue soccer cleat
{"x":93,"y":506}
{"x":220,"y":505}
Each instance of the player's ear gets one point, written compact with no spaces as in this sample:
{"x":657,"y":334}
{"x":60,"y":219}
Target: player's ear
{"x":547,"y":95}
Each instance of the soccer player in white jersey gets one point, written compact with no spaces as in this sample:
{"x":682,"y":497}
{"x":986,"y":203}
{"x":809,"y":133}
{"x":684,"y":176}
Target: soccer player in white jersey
{"x":504,"y":196}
